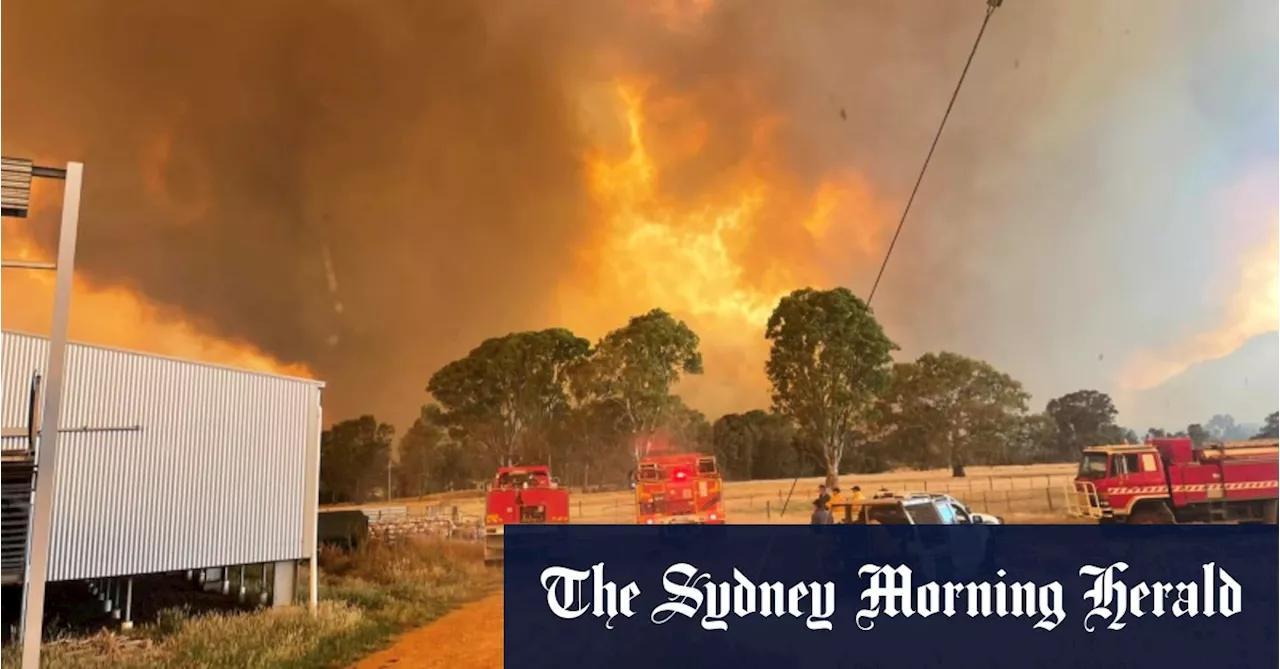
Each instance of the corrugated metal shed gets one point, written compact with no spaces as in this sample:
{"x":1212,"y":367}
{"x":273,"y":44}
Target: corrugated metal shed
{"x":168,"y":465}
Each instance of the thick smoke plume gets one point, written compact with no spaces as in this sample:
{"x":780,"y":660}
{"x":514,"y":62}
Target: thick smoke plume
{"x":371,"y":188}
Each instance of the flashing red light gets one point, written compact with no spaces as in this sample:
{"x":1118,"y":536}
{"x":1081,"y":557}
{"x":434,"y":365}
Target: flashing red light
{"x":680,"y":474}
{"x":713,"y":516}
{"x":648,"y":521}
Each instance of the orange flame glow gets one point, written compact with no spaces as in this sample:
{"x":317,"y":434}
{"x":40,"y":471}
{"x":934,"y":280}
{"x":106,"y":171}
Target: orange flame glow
{"x":720,"y":259}
{"x":679,"y":14}
{"x":115,"y":316}
{"x":1252,"y":309}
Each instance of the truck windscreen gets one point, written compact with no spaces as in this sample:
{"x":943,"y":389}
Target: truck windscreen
{"x":887,"y":514}
{"x":521,"y":480}
{"x":1093,"y":466}
{"x":925,"y":514}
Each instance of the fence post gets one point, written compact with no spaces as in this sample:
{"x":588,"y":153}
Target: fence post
{"x":985,"y":507}
{"x":768,"y":510}
{"x":1008,"y":504}
{"x":1048,"y":495}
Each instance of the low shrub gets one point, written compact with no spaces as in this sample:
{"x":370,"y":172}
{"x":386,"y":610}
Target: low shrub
{"x":367,"y":595}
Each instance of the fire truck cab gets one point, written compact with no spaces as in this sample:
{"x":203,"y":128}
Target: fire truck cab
{"x":1166,"y":481}
{"x":521,"y":495}
{"x":679,"y":488}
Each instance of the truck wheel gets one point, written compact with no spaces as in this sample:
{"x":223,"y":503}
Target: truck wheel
{"x":1152,"y":514}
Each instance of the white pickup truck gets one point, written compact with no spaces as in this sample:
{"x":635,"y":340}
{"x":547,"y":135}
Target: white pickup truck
{"x":964,"y":516}
{"x":937,"y":554}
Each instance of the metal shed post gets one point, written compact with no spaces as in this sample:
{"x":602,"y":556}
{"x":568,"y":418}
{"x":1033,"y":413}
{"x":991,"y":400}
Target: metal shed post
{"x":312,"y":506}
{"x":47,"y":451}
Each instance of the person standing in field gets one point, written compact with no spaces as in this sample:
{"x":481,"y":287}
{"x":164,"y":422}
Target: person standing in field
{"x":855,"y":501}
{"x":821,"y":511}
{"x":832,"y":506}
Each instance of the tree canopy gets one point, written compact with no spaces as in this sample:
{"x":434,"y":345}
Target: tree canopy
{"x":829,"y":359}
{"x":1037,"y":441}
{"x":952,"y":407}
{"x":506,"y":392}
{"x":431,"y":461}
{"x":1084,"y":418}
{"x":1270,"y":427}
{"x":1223,"y":427}
{"x":838,"y":404}
{"x":633,"y":370}
{"x":355,"y":456}
{"x":755,"y":445}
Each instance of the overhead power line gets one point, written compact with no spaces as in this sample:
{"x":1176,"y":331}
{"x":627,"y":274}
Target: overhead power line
{"x":991,"y":8}
{"x":992,"y":5}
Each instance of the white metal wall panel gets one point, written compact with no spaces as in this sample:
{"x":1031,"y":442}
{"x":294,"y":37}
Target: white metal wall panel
{"x":20,"y":357}
{"x":167,"y":465}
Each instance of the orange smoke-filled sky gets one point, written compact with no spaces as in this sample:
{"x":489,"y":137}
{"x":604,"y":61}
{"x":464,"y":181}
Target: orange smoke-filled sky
{"x":365,"y":191}
{"x":117,"y":316}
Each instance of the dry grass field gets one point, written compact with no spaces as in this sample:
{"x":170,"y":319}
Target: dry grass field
{"x":367,"y":597}
{"x":382,"y":590}
{"x":1033,"y":492}
{"x":469,"y":638}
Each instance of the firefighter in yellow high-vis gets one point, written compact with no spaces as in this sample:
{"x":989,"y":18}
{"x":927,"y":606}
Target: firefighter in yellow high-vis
{"x":836,"y":499}
{"x":855,"y":500}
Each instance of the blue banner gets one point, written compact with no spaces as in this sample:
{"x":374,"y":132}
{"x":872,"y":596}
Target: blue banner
{"x":1015,"y":596}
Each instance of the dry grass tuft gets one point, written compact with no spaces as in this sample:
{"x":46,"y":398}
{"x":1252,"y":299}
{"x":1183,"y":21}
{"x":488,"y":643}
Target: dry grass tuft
{"x":389,"y":585}
{"x":367,"y":596}
{"x":381,"y":560}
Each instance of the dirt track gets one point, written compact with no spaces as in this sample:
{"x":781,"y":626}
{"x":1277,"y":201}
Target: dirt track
{"x":471,"y":637}
{"x":468,"y":638}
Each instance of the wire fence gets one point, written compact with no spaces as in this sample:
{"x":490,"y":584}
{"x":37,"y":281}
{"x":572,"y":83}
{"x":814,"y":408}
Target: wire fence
{"x":761,"y":502}
{"x":1034,"y":494}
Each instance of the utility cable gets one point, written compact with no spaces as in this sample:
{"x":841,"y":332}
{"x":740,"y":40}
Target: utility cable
{"x":991,"y":8}
{"x":992,"y":5}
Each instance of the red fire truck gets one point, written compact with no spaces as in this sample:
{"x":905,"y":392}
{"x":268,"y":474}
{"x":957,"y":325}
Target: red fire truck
{"x":521,"y":495}
{"x":678,"y":488}
{"x":1166,"y":481}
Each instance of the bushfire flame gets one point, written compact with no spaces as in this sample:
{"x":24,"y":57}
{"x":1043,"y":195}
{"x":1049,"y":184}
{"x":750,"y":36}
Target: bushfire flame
{"x":721,"y":258}
{"x":115,"y":316}
{"x":1251,"y":310}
